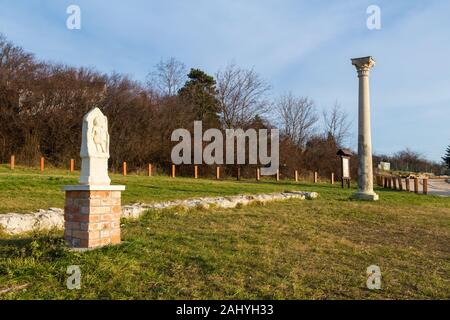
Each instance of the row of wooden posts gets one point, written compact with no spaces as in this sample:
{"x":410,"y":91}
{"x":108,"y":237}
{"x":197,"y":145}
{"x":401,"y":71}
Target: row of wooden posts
{"x":396,"y":183}
{"x":12,"y":164}
{"x":238,"y":173}
{"x":390,"y":182}
{"x":173,"y":171}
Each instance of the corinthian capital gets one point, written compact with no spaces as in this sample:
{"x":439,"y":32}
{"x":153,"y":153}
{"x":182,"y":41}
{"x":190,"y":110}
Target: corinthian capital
{"x":363,"y":65}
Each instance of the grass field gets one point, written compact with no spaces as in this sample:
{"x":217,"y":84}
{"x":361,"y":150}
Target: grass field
{"x":316,"y":249}
{"x":24,"y":189}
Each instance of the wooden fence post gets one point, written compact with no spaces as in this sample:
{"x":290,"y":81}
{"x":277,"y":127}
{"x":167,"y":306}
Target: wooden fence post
{"x":258,"y":177}
{"x":12,"y":163}
{"x":425,"y":185}
{"x":217,"y":172}
{"x":173,"y":171}
{"x":124,"y":168}
{"x":400,"y":185}
{"x":332,"y":178}
{"x":416,"y":185}
{"x":149,"y":170}
{"x":296,"y":175}
{"x":315,"y":176}
{"x":42,"y":164}
{"x":195,"y":172}
{"x":407,"y":184}
{"x":278,"y":175}
{"x":394,"y":183}
{"x":72,"y":165}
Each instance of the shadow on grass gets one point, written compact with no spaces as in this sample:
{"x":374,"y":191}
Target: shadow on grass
{"x":50,"y":245}
{"x":19,"y":242}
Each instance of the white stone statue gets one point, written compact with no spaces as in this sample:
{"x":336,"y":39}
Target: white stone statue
{"x":94,"y":149}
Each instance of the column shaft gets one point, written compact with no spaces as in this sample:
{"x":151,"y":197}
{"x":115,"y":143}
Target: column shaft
{"x":365,"y":171}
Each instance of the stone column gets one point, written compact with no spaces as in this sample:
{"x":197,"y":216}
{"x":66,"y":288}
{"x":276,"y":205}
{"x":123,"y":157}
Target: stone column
{"x":365,"y":170}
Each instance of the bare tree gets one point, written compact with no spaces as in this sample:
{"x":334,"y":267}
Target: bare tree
{"x":336,"y":123}
{"x":298,"y":117}
{"x":242,"y":95}
{"x":168,"y":77}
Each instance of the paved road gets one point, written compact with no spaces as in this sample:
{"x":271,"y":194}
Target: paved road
{"x":435,"y":186}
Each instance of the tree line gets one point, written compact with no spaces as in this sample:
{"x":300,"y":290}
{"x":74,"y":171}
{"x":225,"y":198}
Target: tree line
{"x":42,"y":104}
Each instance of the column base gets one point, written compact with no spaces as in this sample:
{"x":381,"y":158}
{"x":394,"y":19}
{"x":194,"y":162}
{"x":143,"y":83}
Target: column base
{"x":92,"y":216}
{"x":369,"y":196}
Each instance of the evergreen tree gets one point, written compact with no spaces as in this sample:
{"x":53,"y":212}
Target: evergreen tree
{"x":200,"y":92}
{"x":446,"y":158}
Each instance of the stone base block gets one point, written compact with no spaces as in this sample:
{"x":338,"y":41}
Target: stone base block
{"x":92,"y":216}
{"x":370,"y":196}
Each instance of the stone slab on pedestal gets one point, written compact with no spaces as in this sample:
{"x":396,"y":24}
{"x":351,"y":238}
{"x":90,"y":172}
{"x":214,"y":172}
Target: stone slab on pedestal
{"x":92,"y":215}
{"x":94,"y":151}
{"x":93,"y":208}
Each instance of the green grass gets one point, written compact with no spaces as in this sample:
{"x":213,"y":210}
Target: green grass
{"x":316,"y":249}
{"x":25,"y":189}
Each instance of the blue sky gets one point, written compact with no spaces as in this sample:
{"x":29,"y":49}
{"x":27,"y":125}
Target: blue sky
{"x":299,"y":46}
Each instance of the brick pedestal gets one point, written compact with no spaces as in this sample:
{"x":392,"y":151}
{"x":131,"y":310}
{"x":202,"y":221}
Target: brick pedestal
{"x":92,"y":215}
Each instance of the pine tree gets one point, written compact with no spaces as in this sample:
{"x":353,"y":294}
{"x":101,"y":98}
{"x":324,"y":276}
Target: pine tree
{"x":446,"y":158}
{"x":200,"y":91}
